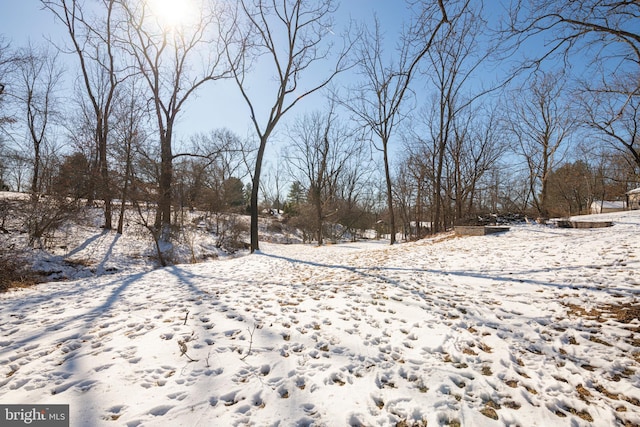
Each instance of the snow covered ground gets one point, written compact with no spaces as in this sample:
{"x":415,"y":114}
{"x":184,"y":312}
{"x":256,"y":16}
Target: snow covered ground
{"x":533,"y":327}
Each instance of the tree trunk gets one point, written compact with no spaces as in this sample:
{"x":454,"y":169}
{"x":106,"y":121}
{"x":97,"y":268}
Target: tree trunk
{"x":459,"y":202}
{"x":36,"y":169}
{"x":437,"y":190}
{"x":544,"y":209}
{"x":163,"y":223}
{"x":317,"y":202}
{"x":105,"y":188}
{"x":125,"y":188}
{"x":387,"y":173}
{"x":254,"y":194}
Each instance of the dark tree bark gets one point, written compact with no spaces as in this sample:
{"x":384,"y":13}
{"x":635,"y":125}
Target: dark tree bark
{"x":164,"y":58}
{"x":93,"y":43}
{"x":540,"y":123}
{"x":377,"y":102}
{"x":39,"y":78}
{"x":318,"y":157}
{"x":290,"y":37}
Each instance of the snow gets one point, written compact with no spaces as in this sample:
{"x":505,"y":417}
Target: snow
{"x":600,"y":206}
{"x":443,"y":331}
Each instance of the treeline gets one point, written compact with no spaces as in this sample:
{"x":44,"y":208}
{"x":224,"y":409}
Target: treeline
{"x":460,"y":113}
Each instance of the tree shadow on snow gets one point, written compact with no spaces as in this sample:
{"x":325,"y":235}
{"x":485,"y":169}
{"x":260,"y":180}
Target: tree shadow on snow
{"x":84,"y":245}
{"x":522,"y":276}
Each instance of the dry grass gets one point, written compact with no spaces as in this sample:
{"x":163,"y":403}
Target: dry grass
{"x":581,"y":414}
{"x":14,"y":273}
{"x":622,"y":312}
{"x":489,"y":413}
{"x":583,"y":393}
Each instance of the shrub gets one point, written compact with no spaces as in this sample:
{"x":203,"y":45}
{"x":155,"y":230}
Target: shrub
{"x":230,"y":235}
{"x":14,"y":273}
{"x":44,"y":214}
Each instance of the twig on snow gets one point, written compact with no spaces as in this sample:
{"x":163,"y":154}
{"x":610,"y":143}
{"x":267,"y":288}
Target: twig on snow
{"x":251,"y":331}
{"x":183,"y":350}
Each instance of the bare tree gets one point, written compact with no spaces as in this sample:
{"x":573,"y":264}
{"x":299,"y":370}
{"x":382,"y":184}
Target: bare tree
{"x":418,"y":169}
{"x":272,"y":184}
{"x":8,"y":62}
{"x":216,"y":156}
{"x":541,"y":124}
{"x":17,"y":164}
{"x":318,"y":155}
{"x":406,"y":196}
{"x":376,"y":102}
{"x":606,"y":31}
{"x":607,"y":34}
{"x":291,"y":38}
{"x":476,"y":149}
{"x":616,"y":120}
{"x":452,"y":63}
{"x":92,"y":39}
{"x":36,"y":93}
{"x":129,"y":134}
{"x":40,"y":77}
{"x":167,"y":59}
{"x":224,"y":150}
{"x":354,"y":191}
{"x":569,"y":189}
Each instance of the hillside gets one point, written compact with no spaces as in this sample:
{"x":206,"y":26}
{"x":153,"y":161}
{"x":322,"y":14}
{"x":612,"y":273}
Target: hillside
{"x":537,"y":326}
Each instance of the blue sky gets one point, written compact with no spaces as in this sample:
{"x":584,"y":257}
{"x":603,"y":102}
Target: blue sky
{"x":218,"y":104}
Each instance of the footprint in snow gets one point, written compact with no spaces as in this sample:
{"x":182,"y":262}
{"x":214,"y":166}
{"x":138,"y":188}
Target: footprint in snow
{"x":160,"y":410}
{"x":283,"y":392}
{"x":177,"y":396}
{"x":300,"y":383}
{"x":265,"y":370}
{"x":81,"y":386}
{"x":19,"y":383}
{"x":228,"y":399}
{"x":114,"y":413}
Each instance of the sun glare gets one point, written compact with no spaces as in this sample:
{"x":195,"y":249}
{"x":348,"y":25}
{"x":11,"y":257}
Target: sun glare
{"x":172,"y":13}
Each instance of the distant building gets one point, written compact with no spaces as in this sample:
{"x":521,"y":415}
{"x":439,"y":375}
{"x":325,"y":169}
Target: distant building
{"x":604,"y":206}
{"x":633,"y":199}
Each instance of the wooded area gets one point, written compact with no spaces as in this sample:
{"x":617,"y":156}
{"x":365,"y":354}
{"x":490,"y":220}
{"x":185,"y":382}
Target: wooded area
{"x":451,"y":117}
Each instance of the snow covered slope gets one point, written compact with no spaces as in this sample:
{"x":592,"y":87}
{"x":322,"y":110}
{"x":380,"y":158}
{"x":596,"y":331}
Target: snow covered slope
{"x":534,"y":327}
